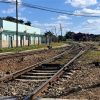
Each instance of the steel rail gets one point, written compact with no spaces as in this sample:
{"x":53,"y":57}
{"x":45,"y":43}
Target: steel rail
{"x":50,"y":81}
{"x":29,"y":68}
{"x":22,"y":53}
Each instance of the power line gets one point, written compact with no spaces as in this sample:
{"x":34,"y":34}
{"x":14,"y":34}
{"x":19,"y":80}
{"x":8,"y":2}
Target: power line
{"x":56,"y":10}
{"x":51,"y":9}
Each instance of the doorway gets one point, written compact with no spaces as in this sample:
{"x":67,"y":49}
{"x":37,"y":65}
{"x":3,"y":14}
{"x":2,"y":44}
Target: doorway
{"x":22,"y":40}
{"x":10,"y":42}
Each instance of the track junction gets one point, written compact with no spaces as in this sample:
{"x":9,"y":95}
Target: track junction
{"x":41,"y":76}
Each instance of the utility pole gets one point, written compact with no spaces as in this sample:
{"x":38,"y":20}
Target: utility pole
{"x":61,"y":31}
{"x":16,"y":23}
{"x":56,"y":33}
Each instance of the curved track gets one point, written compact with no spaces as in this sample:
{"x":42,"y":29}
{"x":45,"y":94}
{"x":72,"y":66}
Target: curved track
{"x":39,"y":91}
{"x":24,"y":53}
{"x":47,"y":71}
{"x":29,"y":68}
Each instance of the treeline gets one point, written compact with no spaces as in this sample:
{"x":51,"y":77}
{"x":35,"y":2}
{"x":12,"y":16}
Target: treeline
{"x":51,"y":37}
{"x":81,"y":36}
{"x":12,"y":19}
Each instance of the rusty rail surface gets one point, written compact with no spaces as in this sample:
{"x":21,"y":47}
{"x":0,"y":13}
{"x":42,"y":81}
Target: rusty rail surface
{"x":23,"y":53}
{"x":50,"y":81}
{"x":29,"y":68}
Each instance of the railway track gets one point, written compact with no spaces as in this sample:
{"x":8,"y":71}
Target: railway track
{"x":11,"y":63}
{"x":40,"y":90}
{"x":25,"y":53}
{"x":45,"y":72}
{"x":20,"y":72}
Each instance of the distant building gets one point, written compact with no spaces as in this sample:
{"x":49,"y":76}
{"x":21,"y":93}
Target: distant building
{"x":27,"y":35}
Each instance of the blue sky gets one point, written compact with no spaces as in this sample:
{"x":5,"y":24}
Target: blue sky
{"x":48,"y":20}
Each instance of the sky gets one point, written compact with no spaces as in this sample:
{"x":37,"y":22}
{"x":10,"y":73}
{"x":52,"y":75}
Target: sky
{"x":49,"y":21}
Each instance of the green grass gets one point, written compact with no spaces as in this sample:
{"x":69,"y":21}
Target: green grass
{"x":18,"y":49}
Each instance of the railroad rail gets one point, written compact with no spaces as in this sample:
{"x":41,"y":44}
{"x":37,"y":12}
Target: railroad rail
{"x":39,"y":91}
{"x":20,"y":72}
{"x":41,"y":71}
{"x":24,"y":53}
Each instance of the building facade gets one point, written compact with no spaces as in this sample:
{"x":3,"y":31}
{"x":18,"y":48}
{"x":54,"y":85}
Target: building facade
{"x":27,"y":35}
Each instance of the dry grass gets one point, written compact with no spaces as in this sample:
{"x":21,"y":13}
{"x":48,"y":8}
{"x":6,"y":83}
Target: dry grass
{"x":93,"y":55}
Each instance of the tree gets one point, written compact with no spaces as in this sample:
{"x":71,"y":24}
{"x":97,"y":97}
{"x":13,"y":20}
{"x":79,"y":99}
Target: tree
{"x":48,"y":36}
{"x":54,"y":38}
{"x":69,"y":35}
{"x":60,"y":38}
{"x":21,"y":21}
{"x":9,"y":18}
{"x":78,"y":37}
{"x":81,"y":36}
{"x":12,"y":19}
{"x":28,"y":23}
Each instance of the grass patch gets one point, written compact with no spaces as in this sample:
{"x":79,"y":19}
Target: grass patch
{"x":57,"y":44}
{"x":95,"y":55}
{"x":31,"y":47}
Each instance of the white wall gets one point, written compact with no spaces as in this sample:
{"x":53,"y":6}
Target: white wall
{"x":11,"y":26}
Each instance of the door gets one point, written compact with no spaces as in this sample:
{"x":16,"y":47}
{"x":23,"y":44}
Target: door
{"x":10,"y":42}
{"x":22,"y":40}
{"x":29,"y":40}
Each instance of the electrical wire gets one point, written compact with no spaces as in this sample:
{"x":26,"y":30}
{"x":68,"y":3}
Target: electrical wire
{"x":51,"y":9}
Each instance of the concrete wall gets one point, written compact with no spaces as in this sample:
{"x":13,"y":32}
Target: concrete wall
{"x":9,"y":40}
{"x":8,"y":36}
{"x":4,"y":43}
{"x":11,"y":26}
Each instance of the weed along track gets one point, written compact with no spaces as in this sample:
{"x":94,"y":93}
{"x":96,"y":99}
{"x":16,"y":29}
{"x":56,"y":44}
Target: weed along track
{"x":31,"y":82}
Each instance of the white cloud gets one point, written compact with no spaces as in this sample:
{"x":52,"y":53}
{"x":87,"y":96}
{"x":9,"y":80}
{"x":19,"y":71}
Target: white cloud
{"x":36,"y":24}
{"x":62,"y":17}
{"x":89,"y":26}
{"x":23,"y":18}
{"x":81,"y":3}
{"x":12,"y":8}
{"x":14,"y":1}
{"x":51,"y":26}
{"x":92,"y":23}
{"x":86,"y":11}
